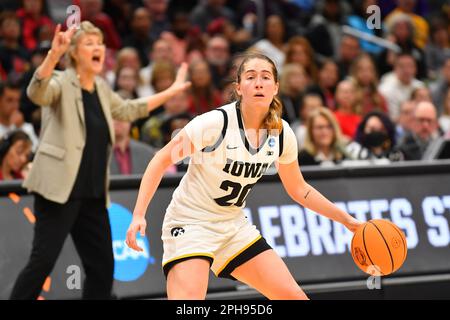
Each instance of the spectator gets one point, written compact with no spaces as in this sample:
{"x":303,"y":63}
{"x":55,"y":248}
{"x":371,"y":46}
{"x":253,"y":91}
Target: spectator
{"x":363,"y":72}
{"x":309,"y":102}
{"x":91,"y":10}
{"x":405,"y":121}
{"x":13,"y":56}
{"x":129,"y":156}
{"x":151,"y":131}
{"x":420,"y":24}
{"x":328,"y":78}
{"x":127,"y":80}
{"x":401,"y":31}
{"x":421,"y":94}
{"x":425,"y":131}
{"x":440,"y":87}
{"x":375,"y":139}
{"x":126,"y":57}
{"x":300,"y":51}
{"x":325,"y":29}
{"x":33,"y":15}
{"x":203,"y":96}
{"x":161,"y":52}
{"x":239,"y":39}
{"x":10,"y":116}
{"x":348,"y":51}
{"x":158,"y":14}
{"x":444,"y":119}
{"x":139,"y":37}
{"x":293,"y":82}
{"x":120,"y":12}
{"x":348,"y":113}
{"x":218,"y":57}
{"x":15,"y":152}
{"x":272,"y":45}
{"x":398,"y":86}
{"x":437,"y":50}
{"x":177,"y":35}
{"x":207,"y":11}
{"x":323,"y":142}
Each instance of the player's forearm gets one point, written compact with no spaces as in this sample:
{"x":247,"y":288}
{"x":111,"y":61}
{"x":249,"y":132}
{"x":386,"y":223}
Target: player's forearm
{"x":149,"y":183}
{"x":312,"y":199}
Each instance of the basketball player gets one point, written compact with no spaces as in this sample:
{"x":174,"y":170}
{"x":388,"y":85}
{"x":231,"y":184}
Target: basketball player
{"x":204,"y":226}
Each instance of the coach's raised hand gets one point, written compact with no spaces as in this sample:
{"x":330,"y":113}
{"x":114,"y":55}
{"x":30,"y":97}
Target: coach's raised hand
{"x":60,"y":44}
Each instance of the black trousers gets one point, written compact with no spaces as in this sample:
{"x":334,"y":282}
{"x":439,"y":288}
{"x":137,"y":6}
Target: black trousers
{"x":88,"y":223}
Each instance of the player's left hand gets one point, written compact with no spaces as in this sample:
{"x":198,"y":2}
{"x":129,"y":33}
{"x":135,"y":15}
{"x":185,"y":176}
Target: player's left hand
{"x":353,"y":224}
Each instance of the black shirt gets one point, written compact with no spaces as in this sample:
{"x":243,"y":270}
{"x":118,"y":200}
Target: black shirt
{"x":90,"y":182}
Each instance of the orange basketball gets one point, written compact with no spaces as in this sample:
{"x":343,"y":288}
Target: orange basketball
{"x":379,"y":247}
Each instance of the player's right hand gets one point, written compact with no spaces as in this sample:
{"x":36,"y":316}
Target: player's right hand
{"x":61,"y":41}
{"x":138,"y":224}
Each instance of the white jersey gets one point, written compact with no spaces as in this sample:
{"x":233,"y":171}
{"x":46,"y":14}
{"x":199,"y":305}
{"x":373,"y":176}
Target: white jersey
{"x":221,"y":175}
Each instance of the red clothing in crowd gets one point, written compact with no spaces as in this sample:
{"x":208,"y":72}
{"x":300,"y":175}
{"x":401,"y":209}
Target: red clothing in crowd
{"x":199,"y":105}
{"x":16,"y":175}
{"x":123,"y":160}
{"x":30,"y":27}
{"x":348,"y":122}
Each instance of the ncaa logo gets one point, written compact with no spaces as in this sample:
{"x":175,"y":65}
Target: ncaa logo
{"x":129,"y":265}
{"x":272,"y":142}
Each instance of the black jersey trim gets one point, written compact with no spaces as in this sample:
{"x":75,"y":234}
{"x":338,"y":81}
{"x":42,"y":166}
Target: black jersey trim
{"x":250,"y":149}
{"x":222,"y":135}
{"x":280,"y":141}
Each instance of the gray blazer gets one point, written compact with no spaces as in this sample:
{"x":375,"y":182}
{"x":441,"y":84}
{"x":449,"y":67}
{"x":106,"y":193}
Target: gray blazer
{"x":141,"y":154}
{"x":63,"y":132}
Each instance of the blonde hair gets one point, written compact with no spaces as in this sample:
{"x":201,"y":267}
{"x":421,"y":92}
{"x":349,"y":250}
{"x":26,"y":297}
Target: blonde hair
{"x":311,"y":68}
{"x":337,"y":148}
{"x":86,"y":27}
{"x":272,"y":122}
{"x":288,"y":70}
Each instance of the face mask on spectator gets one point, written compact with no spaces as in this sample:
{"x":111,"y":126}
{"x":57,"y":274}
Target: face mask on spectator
{"x":374,"y":139}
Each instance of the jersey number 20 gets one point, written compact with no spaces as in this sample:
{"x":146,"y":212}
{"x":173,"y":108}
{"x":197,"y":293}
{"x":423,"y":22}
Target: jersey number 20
{"x":237,"y":195}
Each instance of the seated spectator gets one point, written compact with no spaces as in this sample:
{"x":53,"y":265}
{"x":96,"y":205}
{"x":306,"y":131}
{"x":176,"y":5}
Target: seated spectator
{"x":10,"y":116}
{"x":139,"y":35}
{"x":293,"y":82}
{"x":406,"y":7}
{"x":218,"y":57}
{"x":239,"y":39}
{"x":437,"y":50}
{"x":425,"y":131}
{"x":444,"y":119}
{"x":363,"y":72}
{"x":272,"y":45}
{"x":328,"y":77}
{"x":203,"y":95}
{"x":207,"y":11}
{"x":33,"y":15}
{"x":299,"y":51}
{"x":421,"y":94}
{"x":348,"y":111}
{"x":158,"y":10}
{"x":323,"y":142}
{"x":15,"y":151}
{"x":375,"y":139}
{"x":309,"y":102}
{"x":13,"y":56}
{"x":91,"y":10}
{"x":440,"y":87}
{"x":398,"y":86}
{"x":405,"y":121}
{"x":348,"y":51}
{"x":177,"y":35}
{"x":401,"y":32}
{"x":127,"y":80}
{"x":129,"y":156}
{"x":126,"y":57}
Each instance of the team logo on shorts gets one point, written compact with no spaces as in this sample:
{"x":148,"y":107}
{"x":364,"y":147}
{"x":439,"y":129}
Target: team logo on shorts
{"x":272,"y":142}
{"x":175,"y":232}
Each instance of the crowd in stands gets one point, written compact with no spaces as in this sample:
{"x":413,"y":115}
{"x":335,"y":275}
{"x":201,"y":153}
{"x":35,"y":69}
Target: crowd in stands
{"x":346,"y":97}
